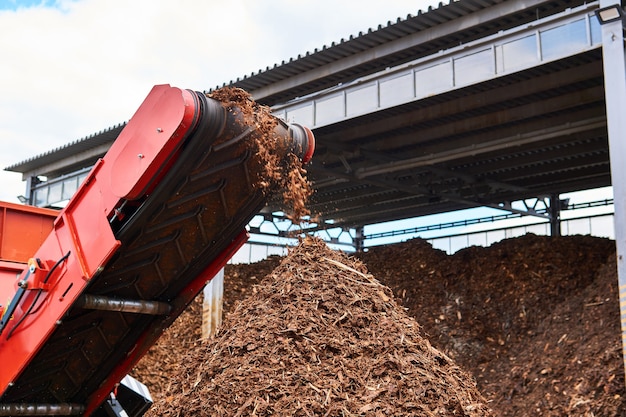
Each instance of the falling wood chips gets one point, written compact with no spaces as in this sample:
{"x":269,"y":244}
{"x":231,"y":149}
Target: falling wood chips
{"x":319,"y":336}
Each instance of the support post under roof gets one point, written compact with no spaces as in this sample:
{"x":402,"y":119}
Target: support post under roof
{"x":615,"y":91}
{"x":555,"y":215}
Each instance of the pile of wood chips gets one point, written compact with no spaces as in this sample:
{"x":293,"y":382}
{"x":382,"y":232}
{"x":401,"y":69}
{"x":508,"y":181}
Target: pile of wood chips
{"x":535,"y":319}
{"x":163,"y":360}
{"x":318,"y":336}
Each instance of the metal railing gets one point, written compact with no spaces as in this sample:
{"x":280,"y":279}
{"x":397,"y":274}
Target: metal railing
{"x":512,"y":225}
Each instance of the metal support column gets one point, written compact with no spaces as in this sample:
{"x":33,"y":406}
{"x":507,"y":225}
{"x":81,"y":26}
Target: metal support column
{"x":359,"y":237}
{"x":30,"y":194}
{"x":555,"y":215}
{"x":615,"y":91}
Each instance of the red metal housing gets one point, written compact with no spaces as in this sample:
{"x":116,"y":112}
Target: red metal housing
{"x":154,"y":220}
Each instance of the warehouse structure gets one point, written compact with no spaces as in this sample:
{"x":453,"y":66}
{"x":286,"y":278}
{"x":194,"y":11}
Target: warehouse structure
{"x":475,"y":103}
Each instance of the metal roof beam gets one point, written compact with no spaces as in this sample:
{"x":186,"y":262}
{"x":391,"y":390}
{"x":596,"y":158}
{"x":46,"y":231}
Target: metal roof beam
{"x":482,"y":99}
{"x":481,"y":148}
{"x":67,"y":163}
{"x":441,"y":171}
{"x":502,"y":119}
{"x":395,"y":185}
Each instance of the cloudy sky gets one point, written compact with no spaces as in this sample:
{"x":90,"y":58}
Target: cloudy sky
{"x":70,"y":68}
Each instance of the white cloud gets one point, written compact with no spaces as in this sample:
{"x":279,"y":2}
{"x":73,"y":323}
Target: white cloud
{"x":81,"y":66}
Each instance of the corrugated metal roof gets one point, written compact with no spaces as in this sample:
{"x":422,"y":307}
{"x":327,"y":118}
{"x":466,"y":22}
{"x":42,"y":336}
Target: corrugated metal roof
{"x":542,"y":132}
{"x":105,"y":136}
{"x":360,"y":42}
{"x":513,"y":13}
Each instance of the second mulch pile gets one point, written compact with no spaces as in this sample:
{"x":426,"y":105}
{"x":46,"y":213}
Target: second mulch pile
{"x":319,"y":336}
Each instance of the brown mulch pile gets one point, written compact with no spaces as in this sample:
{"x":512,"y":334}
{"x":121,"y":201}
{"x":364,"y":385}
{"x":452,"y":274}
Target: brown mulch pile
{"x":163,"y":360}
{"x":534,"y":319}
{"x":319,"y":336}
{"x":572,"y":364}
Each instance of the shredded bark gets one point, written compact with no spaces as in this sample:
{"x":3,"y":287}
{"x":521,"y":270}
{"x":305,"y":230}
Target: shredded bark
{"x":275,"y":171}
{"x":534,"y":319}
{"x":319,"y":336}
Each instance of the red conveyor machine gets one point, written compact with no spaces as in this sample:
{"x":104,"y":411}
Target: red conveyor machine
{"x":86,"y":291}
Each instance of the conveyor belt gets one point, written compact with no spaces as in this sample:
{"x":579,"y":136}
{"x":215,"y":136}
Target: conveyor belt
{"x":201,"y":205}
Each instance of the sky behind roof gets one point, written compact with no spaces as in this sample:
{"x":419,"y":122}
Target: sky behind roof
{"x":71,"y":68}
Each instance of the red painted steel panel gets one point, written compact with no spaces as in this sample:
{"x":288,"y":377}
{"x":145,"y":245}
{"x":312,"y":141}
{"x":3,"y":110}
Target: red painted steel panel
{"x":136,"y":163}
{"x":22,"y":230}
{"x":9,"y":271}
